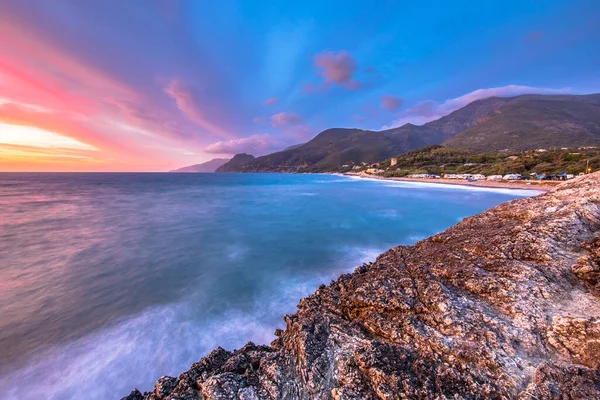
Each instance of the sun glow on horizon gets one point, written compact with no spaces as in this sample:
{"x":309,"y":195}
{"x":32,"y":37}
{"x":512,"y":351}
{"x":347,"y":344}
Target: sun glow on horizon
{"x":29,"y":148}
{"x":17,"y":135}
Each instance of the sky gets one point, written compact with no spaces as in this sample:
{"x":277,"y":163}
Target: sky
{"x":153,"y":85}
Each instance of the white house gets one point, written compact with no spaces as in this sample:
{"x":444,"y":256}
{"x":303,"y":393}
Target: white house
{"x":478,"y":177}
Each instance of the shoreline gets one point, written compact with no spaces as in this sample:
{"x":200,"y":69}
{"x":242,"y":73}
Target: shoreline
{"x":520,"y":185}
{"x":436,"y":284}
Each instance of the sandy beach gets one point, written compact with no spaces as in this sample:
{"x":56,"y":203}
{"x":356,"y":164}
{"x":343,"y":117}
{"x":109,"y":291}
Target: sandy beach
{"x":527,"y":185}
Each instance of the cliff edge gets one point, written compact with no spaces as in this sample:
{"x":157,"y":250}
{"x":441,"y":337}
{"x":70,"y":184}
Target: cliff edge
{"x":506,"y":304}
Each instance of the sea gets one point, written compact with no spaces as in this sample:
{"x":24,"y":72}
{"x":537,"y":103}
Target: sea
{"x":109,"y":281}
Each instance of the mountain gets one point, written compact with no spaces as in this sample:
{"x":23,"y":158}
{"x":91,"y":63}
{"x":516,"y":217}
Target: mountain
{"x":488,"y":125}
{"x":209,"y":166}
{"x":503,"y":305}
{"x":525,"y":122}
{"x":335,"y":147}
{"x":236,"y":163}
{"x":467,"y":116}
{"x":294,"y":146}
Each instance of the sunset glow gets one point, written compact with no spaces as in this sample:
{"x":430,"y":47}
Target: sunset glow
{"x":35,"y":137}
{"x":167,"y":84}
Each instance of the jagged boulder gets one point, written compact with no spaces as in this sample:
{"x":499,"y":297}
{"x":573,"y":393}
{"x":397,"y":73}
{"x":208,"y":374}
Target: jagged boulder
{"x":504,"y":305}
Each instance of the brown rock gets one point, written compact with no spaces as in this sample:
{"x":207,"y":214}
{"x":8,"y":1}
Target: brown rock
{"x":503,"y":305}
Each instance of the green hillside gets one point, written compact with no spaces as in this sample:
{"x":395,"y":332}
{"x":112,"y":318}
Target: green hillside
{"x":440,"y":159}
{"x":534,"y":122}
{"x":333,"y":148}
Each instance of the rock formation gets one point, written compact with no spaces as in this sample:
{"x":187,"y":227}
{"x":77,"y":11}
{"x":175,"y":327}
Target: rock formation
{"x":504,"y":305}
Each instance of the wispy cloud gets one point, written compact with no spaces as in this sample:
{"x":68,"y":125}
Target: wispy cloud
{"x":430,"y":110}
{"x":291,"y":124}
{"x":270,"y":101}
{"x":336,"y":68}
{"x":285,"y":119}
{"x":255,"y":145}
{"x":390,"y":103}
{"x":190,"y":106}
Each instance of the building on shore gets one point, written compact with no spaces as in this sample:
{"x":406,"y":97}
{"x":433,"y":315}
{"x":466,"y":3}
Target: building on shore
{"x":475,"y":177}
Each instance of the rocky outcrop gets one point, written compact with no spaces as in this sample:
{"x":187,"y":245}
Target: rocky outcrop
{"x":504,"y":305}
{"x":238,"y":161}
{"x":209,"y":166}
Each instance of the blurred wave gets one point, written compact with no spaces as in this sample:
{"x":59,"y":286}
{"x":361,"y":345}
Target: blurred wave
{"x":108,"y":281}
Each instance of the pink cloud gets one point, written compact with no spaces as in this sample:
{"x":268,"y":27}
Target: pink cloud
{"x":291,"y":124}
{"x":285,"y":119}
{"x":62,"y":123}
{"x":45,"y":86}
{"x":258,"y":120}
{"x":25,"y":44}
{"x":430,"y":110}
{"x":59,"y":88}
{"x":255,"y":145}
{"x":269,"y":101}
{"x":336,"y":68}
{"x":390,"y":103}
{"x":187,"y":103}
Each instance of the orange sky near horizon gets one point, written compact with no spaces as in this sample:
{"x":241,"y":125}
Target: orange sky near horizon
{"x":60,"y":113}
{"x":149,"y":86}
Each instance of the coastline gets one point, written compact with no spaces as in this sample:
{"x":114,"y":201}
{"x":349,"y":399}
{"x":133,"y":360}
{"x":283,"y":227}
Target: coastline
{"x":539,"y":186}
{"x":430,"y":310}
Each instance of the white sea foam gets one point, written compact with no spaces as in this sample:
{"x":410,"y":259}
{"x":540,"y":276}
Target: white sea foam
{"x":406,"y":184}
{"x":332,"y":181}
{"x":204,"y":246}
{"x":163,"y":340}
{"x":135,"y":352}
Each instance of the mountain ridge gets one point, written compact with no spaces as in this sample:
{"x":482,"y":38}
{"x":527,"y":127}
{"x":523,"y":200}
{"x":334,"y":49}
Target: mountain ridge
{"x":524,"y":122}
{"x":237,"y":161}
{"x":208,"y":166}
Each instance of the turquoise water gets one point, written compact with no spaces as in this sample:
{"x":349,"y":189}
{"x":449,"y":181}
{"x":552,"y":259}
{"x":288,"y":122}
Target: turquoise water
{"x":109,"y":281}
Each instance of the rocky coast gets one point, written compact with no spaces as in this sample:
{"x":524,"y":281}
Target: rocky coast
{"x":503,"y":305}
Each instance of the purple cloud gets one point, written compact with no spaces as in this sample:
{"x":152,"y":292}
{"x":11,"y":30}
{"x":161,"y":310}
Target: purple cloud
{"x":285,"y":119}
{"x":190,"y":106}
{"x":255,"y":145}
{"x":269,"y":101}
{"x":430,"y":110}
{"x":336,"y":68}
{"x":291,"y":124}
{"x":390,"y":103}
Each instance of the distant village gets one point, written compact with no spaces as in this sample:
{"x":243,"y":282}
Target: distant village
{"x":479,"y":177}
{"x":384,"y":168}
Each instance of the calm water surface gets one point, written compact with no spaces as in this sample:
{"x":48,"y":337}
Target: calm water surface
{"x":108,"y":281}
